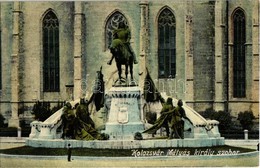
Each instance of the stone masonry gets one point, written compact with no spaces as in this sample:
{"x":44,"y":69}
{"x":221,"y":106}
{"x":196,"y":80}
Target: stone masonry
{"x":203,"y":69}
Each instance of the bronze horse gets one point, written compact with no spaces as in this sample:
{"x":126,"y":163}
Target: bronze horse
{"x":123,"y":56}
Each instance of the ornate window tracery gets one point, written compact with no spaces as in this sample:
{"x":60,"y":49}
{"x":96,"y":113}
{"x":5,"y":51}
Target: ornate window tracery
{"x":239,"y":65}
{"x":51,"y":67}
{"x":167,"y":44}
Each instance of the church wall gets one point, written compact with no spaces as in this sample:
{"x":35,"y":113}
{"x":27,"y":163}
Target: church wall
{"x":176,"y":86}
{"x":31,"y":83}
{"x":96,"y":55}
{"x":6,"y":50}
{"x":250,"y":102}
{"x":30,"y":53}
{"x":203,"y":45}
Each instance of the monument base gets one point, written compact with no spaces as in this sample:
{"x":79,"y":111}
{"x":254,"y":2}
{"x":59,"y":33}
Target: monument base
{"x":125,"y":113}
{"x":126,"y":144}
{"x":123,"y":131}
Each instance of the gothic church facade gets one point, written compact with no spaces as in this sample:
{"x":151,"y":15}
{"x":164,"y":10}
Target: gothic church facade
{"x":204,"y":52}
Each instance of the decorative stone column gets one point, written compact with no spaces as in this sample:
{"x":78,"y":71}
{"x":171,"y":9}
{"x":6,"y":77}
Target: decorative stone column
{"x":78,"y":49}
{"x":14,"y":120}
{"x":219,"y":53}
{"x":144,"y":41}
{"x":189,"y":96}
{"x":125,"y":114}
{"x":255,"y":61}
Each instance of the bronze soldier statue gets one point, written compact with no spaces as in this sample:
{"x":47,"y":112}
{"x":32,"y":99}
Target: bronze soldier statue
{"x":177,"y":123}
{"x":68,"y":118}
{"x":84,"y":127}
{"x":164,"y":119}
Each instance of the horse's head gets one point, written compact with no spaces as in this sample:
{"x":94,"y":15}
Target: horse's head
{"x":115,"y":46}
{"x":113,"y":50}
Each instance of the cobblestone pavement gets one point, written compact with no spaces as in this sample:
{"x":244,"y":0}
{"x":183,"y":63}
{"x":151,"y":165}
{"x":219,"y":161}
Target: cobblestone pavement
{"x":188,"y":161}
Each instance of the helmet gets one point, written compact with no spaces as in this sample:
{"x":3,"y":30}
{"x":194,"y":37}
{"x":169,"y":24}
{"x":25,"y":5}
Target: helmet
{"x":180,"y":103}
{"x":169,"y":100}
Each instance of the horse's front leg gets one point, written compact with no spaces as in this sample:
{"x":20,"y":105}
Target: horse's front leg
{"x":126,"y":71}
{"x":119,"y":69}
{"x":110,"y":61}
{"x":131,"y":71}
{"x":113,"y":56}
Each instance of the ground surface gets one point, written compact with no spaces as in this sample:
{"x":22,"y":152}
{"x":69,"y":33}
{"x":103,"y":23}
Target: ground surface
{"x":61,"y":161}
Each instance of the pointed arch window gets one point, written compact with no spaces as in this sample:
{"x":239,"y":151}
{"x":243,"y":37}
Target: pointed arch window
{"x":51,"y":74}
{"x":112,"y":24}
{"x":167,"y":44}
{"x":239,"y":65}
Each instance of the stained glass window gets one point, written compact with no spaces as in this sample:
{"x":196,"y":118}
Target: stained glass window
{"x":51,"y":74}
{"x":239,"y":70}
{"x":166,"y":44}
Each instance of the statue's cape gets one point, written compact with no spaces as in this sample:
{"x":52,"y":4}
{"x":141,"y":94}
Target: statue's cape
{"x":85,"y":131}
{"x":158,"y":124}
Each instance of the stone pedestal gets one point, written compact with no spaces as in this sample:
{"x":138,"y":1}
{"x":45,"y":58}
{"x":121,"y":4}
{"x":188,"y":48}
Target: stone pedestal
{"x":35,"y":129}
{"x":125,"y":114}
{"x":45,"y":131}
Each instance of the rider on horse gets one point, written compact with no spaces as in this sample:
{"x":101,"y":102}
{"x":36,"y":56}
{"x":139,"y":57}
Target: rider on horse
{"x":123,"y":35}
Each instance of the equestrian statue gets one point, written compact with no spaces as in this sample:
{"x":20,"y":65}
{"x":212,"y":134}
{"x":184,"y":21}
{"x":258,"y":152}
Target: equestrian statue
{"x":122,"y":51}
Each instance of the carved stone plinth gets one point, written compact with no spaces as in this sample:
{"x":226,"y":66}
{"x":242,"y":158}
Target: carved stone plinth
{"x":125,"y":114}
{"x":46,"y":131}
{"x":35,"y":129}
